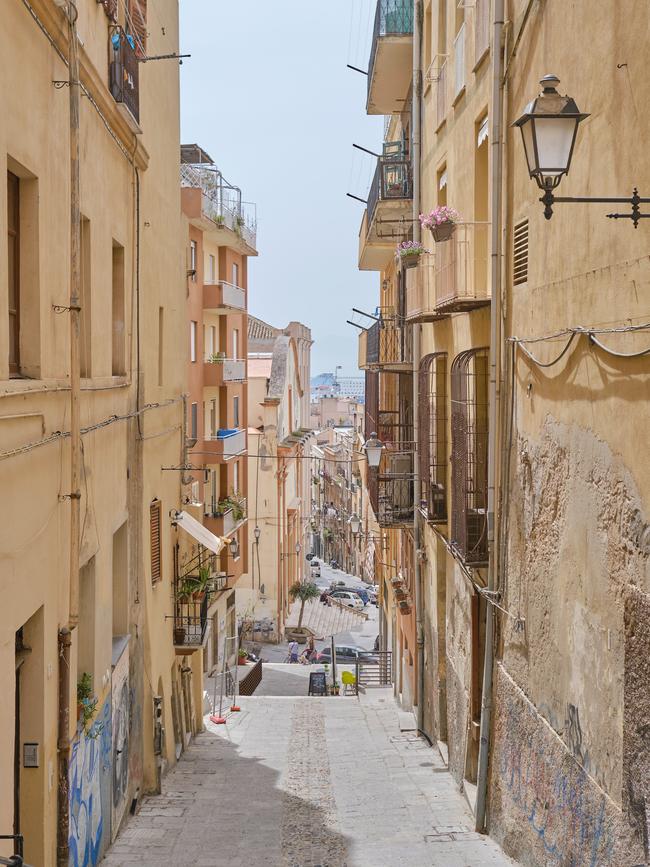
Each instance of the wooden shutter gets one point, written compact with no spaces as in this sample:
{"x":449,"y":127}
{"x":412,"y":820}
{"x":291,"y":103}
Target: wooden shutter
{"x":13,"y":232}
{"x":138,"y":25}
{"x":520,"y":253}
{"x":156,"y":556}
{"x":110,"y":8}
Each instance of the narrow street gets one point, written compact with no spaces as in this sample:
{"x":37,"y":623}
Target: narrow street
{"x":300,"y":782}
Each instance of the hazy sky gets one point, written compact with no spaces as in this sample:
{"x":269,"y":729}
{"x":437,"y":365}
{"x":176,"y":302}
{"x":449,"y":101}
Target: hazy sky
{"x":268,"y":95}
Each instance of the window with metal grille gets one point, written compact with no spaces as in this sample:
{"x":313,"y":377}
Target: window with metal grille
{"x":432,"y":423}
{"x":520,"y":253}
{"x":469,"y":445}
{"x":372,"y":402}
{"x":155,"y":511}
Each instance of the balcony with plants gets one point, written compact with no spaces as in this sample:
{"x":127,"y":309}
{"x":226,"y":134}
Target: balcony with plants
{"x":225,"y":516}
{"x":386,"y":220}
{"x":219,"y":370}
{"x":196,"y":585}
{"x":390,"y":65}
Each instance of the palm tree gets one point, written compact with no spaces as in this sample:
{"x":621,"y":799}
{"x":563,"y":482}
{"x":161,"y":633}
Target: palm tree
{"x":305,"y":591}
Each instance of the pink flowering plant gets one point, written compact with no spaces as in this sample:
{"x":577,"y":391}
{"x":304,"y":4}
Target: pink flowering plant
{"x":439,"y":216}
{"x":410,"y":248}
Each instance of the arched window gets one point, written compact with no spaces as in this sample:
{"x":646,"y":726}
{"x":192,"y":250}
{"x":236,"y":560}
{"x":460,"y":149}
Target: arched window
{"x":469,"y":446}
{"x":433,"y":451}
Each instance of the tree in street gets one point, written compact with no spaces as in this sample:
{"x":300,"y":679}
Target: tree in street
{"x":305,"y":591}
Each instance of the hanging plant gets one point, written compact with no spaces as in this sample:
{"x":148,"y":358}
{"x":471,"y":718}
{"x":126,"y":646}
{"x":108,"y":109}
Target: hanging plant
{"x":441,"y":222}
{"x":409,"y":252}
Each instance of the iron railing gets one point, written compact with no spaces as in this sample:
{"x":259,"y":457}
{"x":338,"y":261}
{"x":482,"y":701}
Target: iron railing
{"x":392,"y":180}
{"x":469,"y":447}
{"x":190,"y":622}
{"x":461,"y":269}
{"x":433,"y":450}
{"x":220,"y":201}
{"x":392,"y":18}
{"x":124,"y":82}
{"x":375,"y":670}
{"x":251,"y":680}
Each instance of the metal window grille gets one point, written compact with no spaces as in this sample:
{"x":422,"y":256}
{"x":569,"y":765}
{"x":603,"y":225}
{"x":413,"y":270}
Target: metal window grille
{"x":520,"y":253}
{"x":154,"y":530}
{"x":433,"y":452}
{"x":124,"y":80}
{"x":469,"y":442}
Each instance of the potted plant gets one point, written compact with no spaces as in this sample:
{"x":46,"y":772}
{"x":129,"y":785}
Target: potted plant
{"x":179,"y":635}
{"x":86,"y":701}
{"x":220,"y":219}
{"x":336,"y":687}
{"x":409,"y":252}
{"x":216,"y":358}
{"x":441,"y":222}
{"x":201,"y":584}
{"x":242,"y":656}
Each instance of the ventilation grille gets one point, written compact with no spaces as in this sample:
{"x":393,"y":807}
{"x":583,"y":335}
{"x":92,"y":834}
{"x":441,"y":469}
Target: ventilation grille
{"x":520,"y":253}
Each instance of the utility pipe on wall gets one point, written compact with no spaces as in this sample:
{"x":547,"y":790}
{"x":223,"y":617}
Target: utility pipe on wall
{"x":494,"y":397}
{"x":415,"y":163}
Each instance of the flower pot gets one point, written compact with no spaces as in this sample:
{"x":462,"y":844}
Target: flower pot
{"x":198,"y":596}
{"x":410,"y":261}
{"x":443,"y":231}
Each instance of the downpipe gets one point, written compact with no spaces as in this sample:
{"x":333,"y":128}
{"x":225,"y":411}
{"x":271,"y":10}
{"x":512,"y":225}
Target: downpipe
{"x":494,"y":397}
{"x":415,"y":163}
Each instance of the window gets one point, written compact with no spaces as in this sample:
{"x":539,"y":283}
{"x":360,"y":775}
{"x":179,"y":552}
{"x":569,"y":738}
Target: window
{"x":235,"y":411}
{"x":13,"y":231}
{"x":469,"y":441}
{"x":235,"y":477}
{"x":161,"y":334}
{"x":213,"y":417}
{"x":119,"y":362}
{"x":235,"y":343}
{"x":85,"y":336}
{"x":482,"y":31}
{"x":155,"y":510}
{"x":193,"y":260}
{"x":432,"y":420}
{"x":120,"y":582}
{"x":235,"y":274}
{"x":442,"y":185}
{"x":193,"y":340}
{"x":212,"y":269}
{"x":194,"y":420}
{"x":87,"y":616}
{"x":210,"y":339}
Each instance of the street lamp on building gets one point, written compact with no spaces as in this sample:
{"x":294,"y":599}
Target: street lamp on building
{"x":373,"y":448}
{"x":549,"y":127}
{"x":233,"y":547}
{"x":257,"y":533}
{"x":355,"y":522}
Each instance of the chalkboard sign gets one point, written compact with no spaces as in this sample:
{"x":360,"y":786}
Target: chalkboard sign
{"x":317,"y":685}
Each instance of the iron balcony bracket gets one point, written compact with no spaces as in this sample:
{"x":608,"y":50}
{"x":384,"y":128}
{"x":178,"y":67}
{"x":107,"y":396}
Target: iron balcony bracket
{"x":549,"y":199}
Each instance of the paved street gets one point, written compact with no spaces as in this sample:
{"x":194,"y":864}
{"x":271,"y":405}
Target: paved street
{"x":301,"y":782}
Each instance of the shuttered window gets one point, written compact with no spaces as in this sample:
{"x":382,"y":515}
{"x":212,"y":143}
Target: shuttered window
{"x":156,"y":557}
{"x":137,"y":25}
{"x":520,"y":253}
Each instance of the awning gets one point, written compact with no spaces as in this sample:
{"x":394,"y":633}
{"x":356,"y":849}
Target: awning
{"x":442,"y":182}
{"x":482,"y":132}
{"x":199,"y":532}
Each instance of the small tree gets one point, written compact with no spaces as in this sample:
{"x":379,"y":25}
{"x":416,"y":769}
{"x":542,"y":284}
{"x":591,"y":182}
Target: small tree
{"x":305,"y":591}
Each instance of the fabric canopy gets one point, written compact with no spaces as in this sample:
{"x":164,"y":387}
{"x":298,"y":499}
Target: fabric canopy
{"x":199,"y":532}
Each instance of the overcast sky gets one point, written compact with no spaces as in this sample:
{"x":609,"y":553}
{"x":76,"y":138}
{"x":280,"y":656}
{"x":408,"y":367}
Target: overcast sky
{"x":268,"y":95}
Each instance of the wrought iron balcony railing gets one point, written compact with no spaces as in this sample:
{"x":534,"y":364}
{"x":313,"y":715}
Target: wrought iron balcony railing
{"x":389,"y":344}
{"x":392,"y":180}
{"x":124,"y":82}
{"x":392,"y":18}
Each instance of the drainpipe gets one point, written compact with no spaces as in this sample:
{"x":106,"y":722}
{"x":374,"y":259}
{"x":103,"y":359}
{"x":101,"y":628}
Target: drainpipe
{"x":494,"y":397}
{"x":415,"y":163}
{"x":63,"y":740}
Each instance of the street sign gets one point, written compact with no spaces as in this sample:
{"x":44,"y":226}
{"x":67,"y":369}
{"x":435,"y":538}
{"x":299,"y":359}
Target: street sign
{"x":317,"y":685}
{"x":309,"y":556}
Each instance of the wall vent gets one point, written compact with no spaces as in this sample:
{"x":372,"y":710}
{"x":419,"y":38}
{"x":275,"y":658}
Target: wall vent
{"x":520,"y":253}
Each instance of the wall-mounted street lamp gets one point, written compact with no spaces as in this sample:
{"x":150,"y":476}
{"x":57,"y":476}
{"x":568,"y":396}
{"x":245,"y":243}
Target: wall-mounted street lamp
{"x":355,"y":523}
{"x":549,"y":127}
{"x":373,"y":448}
{"x":296,"y":552}
{"x":233,"y":547}
{"x":257,"y":533}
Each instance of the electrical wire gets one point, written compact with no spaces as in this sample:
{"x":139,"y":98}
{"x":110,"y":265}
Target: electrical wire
{"x":576,"y":332}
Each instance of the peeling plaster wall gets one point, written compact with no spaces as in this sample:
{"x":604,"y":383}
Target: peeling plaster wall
{"x":573,"y":713}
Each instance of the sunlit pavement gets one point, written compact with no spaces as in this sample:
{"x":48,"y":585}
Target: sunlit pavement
{"x":301,"y":782}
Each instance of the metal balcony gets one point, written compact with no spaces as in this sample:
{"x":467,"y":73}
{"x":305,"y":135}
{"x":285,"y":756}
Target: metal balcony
{"x":461,"y":269}
{"x":227,"y":444}
{"x":389,"y":346}
{"x":390,"y":66}
{"x":123,"y":74}
{"x":421,"y":291}
{"x":223,"y":522}
{"x":223,"y":297}
{"x":387,"y":219}
{"x":190,"y":624}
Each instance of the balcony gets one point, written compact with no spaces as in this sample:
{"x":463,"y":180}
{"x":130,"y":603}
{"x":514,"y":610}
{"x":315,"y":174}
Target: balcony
{"x":421,"y":291}
{"x":223,"y":296}
{"x":388,"y":346}
{"x":387,"y":218}
{"x":227,"y":444}
{"x":222,"y":371}
{"x":390,"y":65}
{"x":461,"y":269}
{"x":123,"y":77}
{"x":222,"y":519}
{"x":391,"y":490}
{"x":216,"y":207}
{"x":362,"y":361}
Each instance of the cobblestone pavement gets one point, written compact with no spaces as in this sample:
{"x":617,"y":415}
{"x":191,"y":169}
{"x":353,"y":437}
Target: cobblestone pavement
{"x":307,"y":782}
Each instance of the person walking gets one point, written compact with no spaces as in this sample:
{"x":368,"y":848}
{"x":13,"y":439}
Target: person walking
{"x":293,"y":651}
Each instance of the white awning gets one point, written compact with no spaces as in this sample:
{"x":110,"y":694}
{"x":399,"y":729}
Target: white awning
{"x":442,"y":183}
{"x":482,"y":132}
{"x":186,"y":522}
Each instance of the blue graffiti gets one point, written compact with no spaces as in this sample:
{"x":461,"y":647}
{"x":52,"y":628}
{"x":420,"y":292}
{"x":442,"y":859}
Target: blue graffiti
{"x":556,"y":797}
{"x":90,"y":808}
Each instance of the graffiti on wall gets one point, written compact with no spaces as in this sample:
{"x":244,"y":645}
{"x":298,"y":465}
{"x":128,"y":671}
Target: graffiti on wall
{"x":90,"y":791}
{"x":120,"y":742}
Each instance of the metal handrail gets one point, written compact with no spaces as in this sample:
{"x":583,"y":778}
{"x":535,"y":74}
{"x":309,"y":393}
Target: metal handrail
{"x":392,"y":18}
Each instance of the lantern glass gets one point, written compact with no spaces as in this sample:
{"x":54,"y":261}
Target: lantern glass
{"x":233,"y":545}
{"x":373,"y":449}
{"x":554,"y":137}
{"x":355,"y":523}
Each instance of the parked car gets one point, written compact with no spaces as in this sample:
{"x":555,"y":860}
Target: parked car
{"x":372,"y":595}
{"x":352,"y":600}
{"x":347,"y":654}
{"x":360,"y":591}
{"x":314,"y":568}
